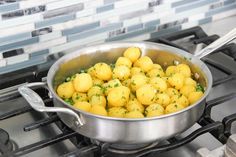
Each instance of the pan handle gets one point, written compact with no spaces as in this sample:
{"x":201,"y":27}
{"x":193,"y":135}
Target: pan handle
{"x":37,"y":103}
{"x":217,"y":44}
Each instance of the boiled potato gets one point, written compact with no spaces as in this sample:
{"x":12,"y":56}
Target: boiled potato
{"x":77,"y":96}
{"x":110,"y":85}
{"x":176,"y":80}
{"x":82,"y":82}
{"x":194,"y":96}
{"x":95,"y":90}
{"x":180,"y":99}
{"x":158,"y":83}
{"x":183,"y":69}
{"x":154,"y":110}
{"x":145,"y":63}
{"x":118,"y":112}
{"x":136,"y":70}
{"x":98,"y":110}
{"x":102,"y":71}
{"x":123,"y":61}
{"x":163,"y":99}
{"x":118,"y":96}
{"x":127,"y":83}
{"x":146,"y":94}
{"x":170,"y":70}
{"x":135,"y":105}
{"x":91,"y":71}
{"x":132,"y":96}
{"x":134,"y":114}
{"x":172,"y":91}
{"x":82,"y":105}
{"x":98,"y":100}
{"x":121,"y":72}
{"x":65,"y":90}
{"x":137,"y":81}
{"x":157,"y":66}
{"x":187,"y":89}
{"x":97,"y":82}
{"x":155,"y":72}
{"x":133,"y":53}
{"x":190,"y":81}
{"x":173,"y":107}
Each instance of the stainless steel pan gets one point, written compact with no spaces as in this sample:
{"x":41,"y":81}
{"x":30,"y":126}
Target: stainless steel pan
{"x":122,"y":130}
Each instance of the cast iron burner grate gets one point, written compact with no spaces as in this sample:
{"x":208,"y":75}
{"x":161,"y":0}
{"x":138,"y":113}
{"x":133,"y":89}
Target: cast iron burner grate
{"x":221,"y":130}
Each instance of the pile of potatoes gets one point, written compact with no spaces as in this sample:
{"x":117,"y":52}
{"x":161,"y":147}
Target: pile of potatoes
{"x":133,"y":87}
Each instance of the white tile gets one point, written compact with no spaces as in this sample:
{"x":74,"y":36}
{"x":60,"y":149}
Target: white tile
{"x":73,"y":23}
{"x":50,"y":36}
{"x":17,"y":59}
{"x":196,"y":17}
{"x":1,"y":57}
{"x":93,"y":4}
{"x":132,"y":21}
{"x":21,"y":20}
{"x":85,"y":12}
{"x":44,"y":45}
{"x":3,"y":62}
{"x":224,"y":14}
{"x":189,"y":24}
{"x":62,"y":3}
{"x":121,"y":4}
{"x":17,"y":29}
{"x":32,"y":3}
{"x":106,"y":21}
{"x":139,"y":38}
{"x":77,"y":43}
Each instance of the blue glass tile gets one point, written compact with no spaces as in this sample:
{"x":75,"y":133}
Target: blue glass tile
{"x":176,"y":4}
{"x":9,"y":7}
{"x":55,"y":20}
{"x":165,"y":31}
{"x":109,"y":1}
{"x":229,"y":2}
{"x":15,"y":37}
{"x":39,"y":53}
{"x":135,"y":27}
{"x":17,"y":44}
{"x":152,"y":23}
{"x":94,"y":31}
{"x":105,"y":8}
{"x":81,"y":28}
{"x":222,"y":9}
{"x":206,"y":20}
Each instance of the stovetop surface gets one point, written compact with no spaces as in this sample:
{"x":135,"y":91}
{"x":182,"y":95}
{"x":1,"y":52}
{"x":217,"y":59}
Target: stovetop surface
{"x":14,"y":125}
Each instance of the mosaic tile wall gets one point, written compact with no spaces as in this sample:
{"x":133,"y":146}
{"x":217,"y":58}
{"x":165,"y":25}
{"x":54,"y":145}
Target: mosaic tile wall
{"x":30,"y":30}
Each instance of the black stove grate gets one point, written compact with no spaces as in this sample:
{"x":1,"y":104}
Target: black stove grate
{"x":221,"y":130}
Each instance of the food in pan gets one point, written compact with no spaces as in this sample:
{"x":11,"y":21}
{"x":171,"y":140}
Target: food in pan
{"x":133,"y":87}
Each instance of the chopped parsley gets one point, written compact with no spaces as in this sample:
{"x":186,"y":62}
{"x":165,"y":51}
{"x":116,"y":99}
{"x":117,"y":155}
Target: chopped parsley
{"x":199,"y":88}
{"x":69,"y":101}
{"x":83,"y":71}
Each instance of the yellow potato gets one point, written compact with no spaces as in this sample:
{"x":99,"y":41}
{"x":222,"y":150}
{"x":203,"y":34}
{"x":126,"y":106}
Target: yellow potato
{"x":77,"y":96}
{"x":170,"y":70}
{"x":154,"y":107}
{"x":137,"y":81}
{"x":172,"y":91}
{"x":123,"y":61}
{"x":162,"y":99}
{"x":183,"y":69}
{"x":65,"y":90}
{"x":134,"y":114}
{"x":95,"y":90}
{"x":82,"y":105}
{"x":174,"y":107}
{"x":82,"y":82}
{"x":180,"y":99}
{"x":133,"y":53}
{"x":190,"y":81}
{"x":157,"y":66}
{"x":146,"y":94}
{"x":91,"y":71}
{"x":136,"y":70}
{"x":158,"y":83}
{"x":135,"y":105}
{"x":110,"y":85}
{"x":176,"y":80}
{"x":118,"y":96}
{"x":145,"y":63}
{"x":102,"y":71}
{"x":99,"y":110}
{"x":155,"y":72}
{"x":154,"y":113}
{"x":127,"y":83}
{"x":194,"y":96}
{"x":98,"y":100}
{"x":187,"y":89}
{"x":132,"y":96}
{"x":166,"y":79}
{"x":118,"y":112}
{"x":97,"y":82}
{"x":121,"y":72}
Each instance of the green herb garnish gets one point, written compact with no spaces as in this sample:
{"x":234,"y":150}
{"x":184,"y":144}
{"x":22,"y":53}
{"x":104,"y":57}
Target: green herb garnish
{"x":199,"y":88}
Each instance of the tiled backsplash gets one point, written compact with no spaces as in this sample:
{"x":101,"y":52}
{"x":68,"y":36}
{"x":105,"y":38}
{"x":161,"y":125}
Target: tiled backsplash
{"x":30,"y":30}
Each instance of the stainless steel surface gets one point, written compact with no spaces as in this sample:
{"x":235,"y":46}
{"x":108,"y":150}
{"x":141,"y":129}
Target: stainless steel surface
{"x":124,"y":130}
{"x":217,"y":44}
{"x":37,"y":103}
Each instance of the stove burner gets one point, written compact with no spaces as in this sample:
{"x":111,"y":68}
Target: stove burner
{"x":5,"y":143}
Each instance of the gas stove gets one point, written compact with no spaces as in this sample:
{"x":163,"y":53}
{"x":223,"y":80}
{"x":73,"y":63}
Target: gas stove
{"x":25,"y":132}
